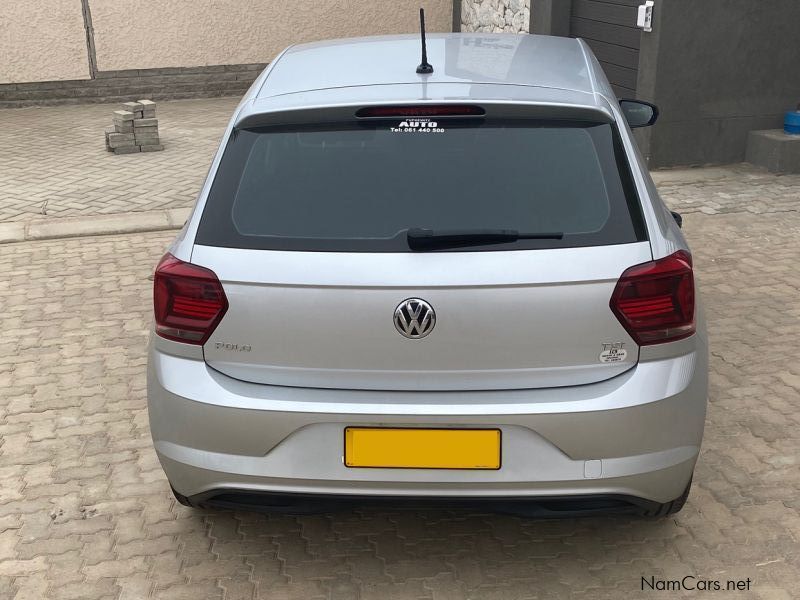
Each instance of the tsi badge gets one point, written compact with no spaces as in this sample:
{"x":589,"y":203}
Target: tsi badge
{"x":613,"y":352}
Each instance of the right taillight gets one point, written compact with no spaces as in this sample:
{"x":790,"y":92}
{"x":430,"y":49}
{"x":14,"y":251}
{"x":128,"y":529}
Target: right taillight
{"x":188,"y":301}
{"x":654,"y":301}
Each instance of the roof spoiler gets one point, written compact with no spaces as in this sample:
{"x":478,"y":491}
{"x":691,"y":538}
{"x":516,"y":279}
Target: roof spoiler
{"x":348,"y":113}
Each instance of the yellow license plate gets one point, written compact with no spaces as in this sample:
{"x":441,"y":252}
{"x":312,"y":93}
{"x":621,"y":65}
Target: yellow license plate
{"x":406,"y":448}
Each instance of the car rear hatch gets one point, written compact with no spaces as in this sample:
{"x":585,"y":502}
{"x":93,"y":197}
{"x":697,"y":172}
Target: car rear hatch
{"x":519,"y":319}
{"x":307,"y":228}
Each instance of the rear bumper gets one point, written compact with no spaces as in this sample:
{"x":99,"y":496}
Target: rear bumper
{"x":634,"y":436}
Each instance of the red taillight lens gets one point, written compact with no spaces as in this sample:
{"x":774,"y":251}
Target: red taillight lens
{"x":189,"y":301}
{"x":654,"y":301}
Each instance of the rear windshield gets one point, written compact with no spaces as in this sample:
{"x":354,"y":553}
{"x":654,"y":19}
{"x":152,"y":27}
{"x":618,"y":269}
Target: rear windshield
{"x":359,"y":187}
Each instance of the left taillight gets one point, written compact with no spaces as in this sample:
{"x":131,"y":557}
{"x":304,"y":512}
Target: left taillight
{"x":655,"y":301}
{"x":188,"y":301}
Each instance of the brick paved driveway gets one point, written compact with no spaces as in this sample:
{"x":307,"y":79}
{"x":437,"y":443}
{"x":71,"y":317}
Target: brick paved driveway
{"x":85,"y":511}
{"x":55,"y":157}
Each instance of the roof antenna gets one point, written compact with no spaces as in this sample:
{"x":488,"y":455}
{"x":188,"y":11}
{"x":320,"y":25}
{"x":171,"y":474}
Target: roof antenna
{"x":424,"y":68}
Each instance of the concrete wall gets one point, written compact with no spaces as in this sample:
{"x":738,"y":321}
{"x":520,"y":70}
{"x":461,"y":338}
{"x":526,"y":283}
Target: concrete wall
{"x":158,"y":33}
{"x":718,"y":69}
{"x":42,"y":41}
{"x":45,"y":40}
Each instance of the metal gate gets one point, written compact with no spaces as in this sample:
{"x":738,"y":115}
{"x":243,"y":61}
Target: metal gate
{"x":609,"y":28}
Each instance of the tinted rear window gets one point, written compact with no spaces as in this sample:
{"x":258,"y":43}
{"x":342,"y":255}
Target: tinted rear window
{"x":359,"y":187}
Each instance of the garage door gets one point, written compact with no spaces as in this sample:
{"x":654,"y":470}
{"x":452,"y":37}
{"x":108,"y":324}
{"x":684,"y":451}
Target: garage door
{"x":609,"y":27}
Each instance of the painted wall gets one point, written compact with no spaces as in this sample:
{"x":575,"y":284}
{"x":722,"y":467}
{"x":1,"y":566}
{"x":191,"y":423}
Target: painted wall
{"x":45,"y":40}
{"x":718,"y":69}
{"x":180,"y":33}
{"x":42,"y":41}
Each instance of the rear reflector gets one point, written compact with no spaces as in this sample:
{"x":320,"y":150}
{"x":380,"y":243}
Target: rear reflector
{"x":654,"y":301}
{"x":434,"y":110}
{"x":188,"y":300}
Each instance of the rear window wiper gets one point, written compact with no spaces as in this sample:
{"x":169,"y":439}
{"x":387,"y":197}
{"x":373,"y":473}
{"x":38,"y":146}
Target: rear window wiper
{"x":429,"y":239}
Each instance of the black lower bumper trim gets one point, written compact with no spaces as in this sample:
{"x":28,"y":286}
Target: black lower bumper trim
{"x":527,"y":506}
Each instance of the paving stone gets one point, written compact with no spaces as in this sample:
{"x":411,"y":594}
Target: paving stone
{"x":127,"y":149}
{"x":146,"y":138}
{"x":123,"y":126}
{"x":145,"y":131}
{"x":143,"y":123}
{"x":120,"y":137}
{"x":20,"y":568}
{"x":10,"y":232}
{"x":115,"y":143}
{"x":100,"y":225}
{"x":123,"y":115}
{"x":132,"y":107}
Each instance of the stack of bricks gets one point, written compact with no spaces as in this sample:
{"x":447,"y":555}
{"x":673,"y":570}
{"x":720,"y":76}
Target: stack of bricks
{"x":135,"y":129}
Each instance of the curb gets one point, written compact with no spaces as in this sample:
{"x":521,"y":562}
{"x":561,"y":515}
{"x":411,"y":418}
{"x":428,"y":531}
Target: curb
{"x":69,"y":227}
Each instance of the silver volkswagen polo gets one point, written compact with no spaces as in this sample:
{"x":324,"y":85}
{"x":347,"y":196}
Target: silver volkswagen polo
{"x":453,"y":281}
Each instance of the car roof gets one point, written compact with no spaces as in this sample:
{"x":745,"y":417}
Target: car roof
{"x":361,"y":69}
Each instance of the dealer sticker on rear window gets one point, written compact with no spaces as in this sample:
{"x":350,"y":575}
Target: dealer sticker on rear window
{"x":613,"y":353}
{"x":417,"y":125}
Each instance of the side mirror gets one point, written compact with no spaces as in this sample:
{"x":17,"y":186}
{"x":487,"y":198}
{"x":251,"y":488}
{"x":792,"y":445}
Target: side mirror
{"x":678,"y":218}
{"x":639,"y":113}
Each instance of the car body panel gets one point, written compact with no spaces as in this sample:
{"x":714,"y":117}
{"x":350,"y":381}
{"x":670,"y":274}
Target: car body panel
{"x":457,"y":58}
{"x":537,"y":100}
{"x":647,"y":419}
{"x":516,"y":319}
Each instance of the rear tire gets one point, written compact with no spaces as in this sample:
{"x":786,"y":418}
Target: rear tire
{"x":670,"y":508}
